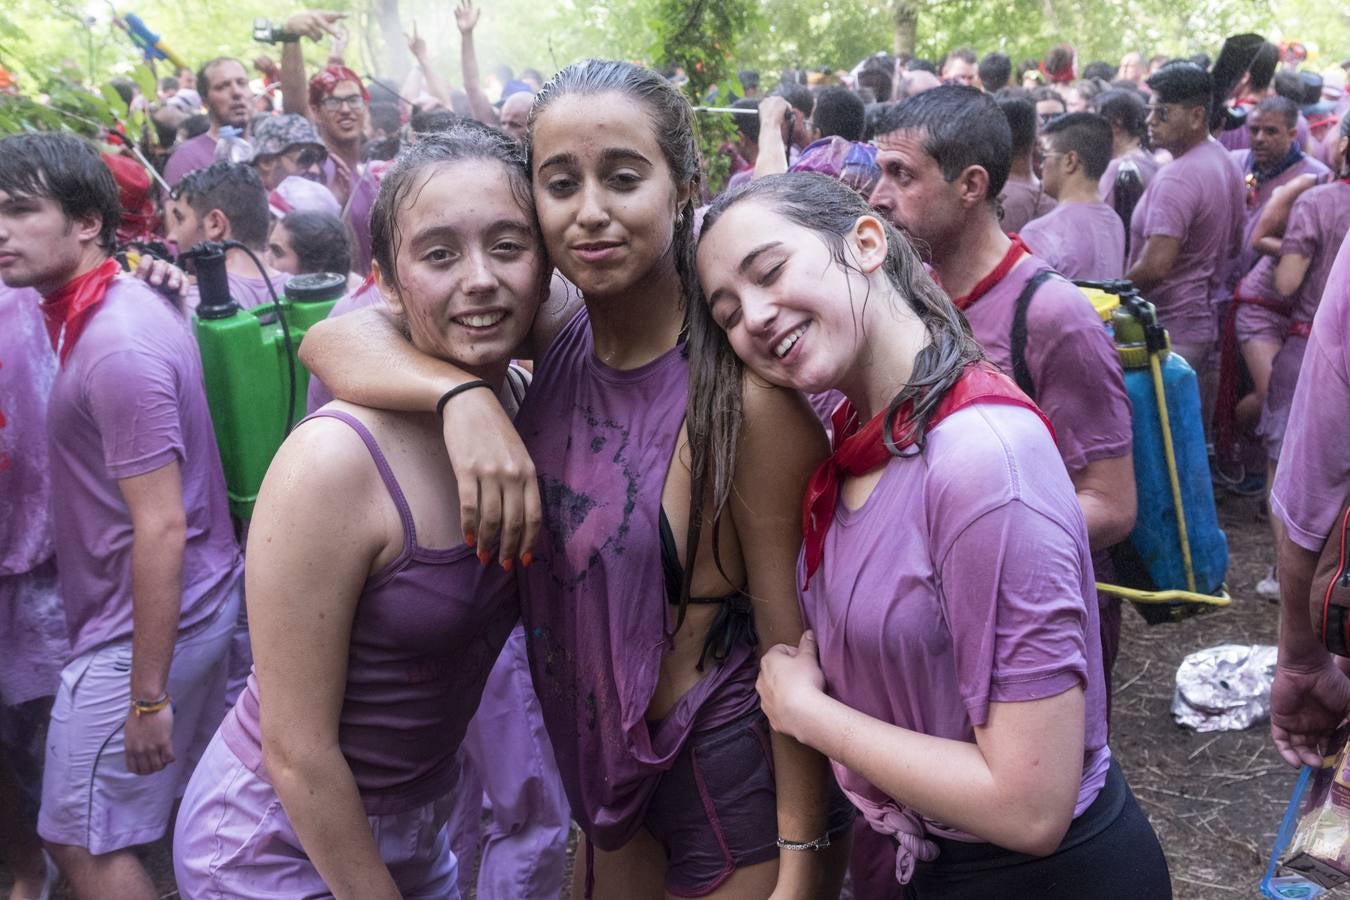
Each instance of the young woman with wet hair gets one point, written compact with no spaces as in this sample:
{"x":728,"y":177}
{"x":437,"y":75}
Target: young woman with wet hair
{"x":642,"y":644}
{"x":373,"y":625}
{"x":952,"y":668}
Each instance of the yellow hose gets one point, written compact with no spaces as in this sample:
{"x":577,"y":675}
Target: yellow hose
{"x":1138,"y":596}
{"x":1170,"y":454}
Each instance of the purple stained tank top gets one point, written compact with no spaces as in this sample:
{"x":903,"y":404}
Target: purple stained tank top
{"x":594,"y":601}
{"x":427,"y":629}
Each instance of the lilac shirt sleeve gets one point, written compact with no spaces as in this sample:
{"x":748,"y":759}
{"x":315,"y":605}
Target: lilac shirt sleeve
{"x":1012,"y":583}
{"x":1068,"y":347}
{"x":133,"y":400}
{"x":1171,"y":211}
{"x":1300,"y":236}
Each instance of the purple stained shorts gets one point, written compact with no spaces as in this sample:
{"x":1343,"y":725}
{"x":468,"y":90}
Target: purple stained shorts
{"x":89,"y":797}
{"x":730,"y":770}
{"x":234,"y":840}
{"x":1261,"y":323}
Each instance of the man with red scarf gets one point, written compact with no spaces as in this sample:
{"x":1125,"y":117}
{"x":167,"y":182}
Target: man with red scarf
{"x":148,"y":569}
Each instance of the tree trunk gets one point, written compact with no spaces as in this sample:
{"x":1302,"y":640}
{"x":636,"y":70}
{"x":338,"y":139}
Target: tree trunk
{"x":906,"y":14}
{"x":396,"y":58}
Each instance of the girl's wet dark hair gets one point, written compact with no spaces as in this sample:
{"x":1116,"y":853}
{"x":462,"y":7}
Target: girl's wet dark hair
{"x":713,"y":417}
{"x":830,"y":210}
{"x":467,"y":140}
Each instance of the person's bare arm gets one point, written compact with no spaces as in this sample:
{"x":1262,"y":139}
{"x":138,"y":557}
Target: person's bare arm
{"x":1275,"y":216}
{"x":1105,"y":489}
{"x":313,"y":24}
{"x":773,"y":153}
{"x":466,"y":18}
{"x":436,"y":87}
{"x":316,"y":532}
{"x":781,"y":444}
{"x":1290,"y":272}
{"x":159,"y":534}
{"x":1159,"y":256}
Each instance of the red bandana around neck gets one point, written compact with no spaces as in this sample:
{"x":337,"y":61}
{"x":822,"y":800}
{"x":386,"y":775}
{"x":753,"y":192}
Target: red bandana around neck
{"x":859,"y":450}
{"x":1015,"y":251}
{"x":69,"y":308}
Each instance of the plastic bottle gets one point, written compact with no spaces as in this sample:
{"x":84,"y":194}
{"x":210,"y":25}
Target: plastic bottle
{"x":231,"y":147}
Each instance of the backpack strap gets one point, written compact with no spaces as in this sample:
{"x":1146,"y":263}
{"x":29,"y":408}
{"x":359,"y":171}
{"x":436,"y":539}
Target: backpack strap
{"x":1018,"y":343}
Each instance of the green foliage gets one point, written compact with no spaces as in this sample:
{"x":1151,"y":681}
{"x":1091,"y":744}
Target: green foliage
{"x":698,"y":36}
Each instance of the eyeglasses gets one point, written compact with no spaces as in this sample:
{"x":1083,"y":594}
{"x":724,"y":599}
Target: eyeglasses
{"x":333,"y":104}
{"x":1157,"y":111}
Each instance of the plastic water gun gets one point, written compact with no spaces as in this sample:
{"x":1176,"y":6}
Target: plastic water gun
{"x":147,"y":40}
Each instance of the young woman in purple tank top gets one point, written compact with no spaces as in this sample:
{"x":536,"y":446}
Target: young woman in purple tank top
{"x":374,"y":626}
{"x":952,"y":670}
{"x":642,"y":646}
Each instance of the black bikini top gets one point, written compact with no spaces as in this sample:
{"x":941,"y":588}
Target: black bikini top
{"x":735,"y":621}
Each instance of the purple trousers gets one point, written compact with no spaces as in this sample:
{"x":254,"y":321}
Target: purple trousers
{"x":508,"y":757}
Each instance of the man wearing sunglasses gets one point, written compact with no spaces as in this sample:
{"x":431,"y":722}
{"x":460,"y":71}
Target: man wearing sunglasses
{"x":1188,"y":225}
{"x":287,"y":145}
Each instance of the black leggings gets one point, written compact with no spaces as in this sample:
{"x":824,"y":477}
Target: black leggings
{"x":1109,"y":852}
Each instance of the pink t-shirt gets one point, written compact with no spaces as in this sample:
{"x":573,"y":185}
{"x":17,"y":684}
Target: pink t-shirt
{"x":1198,"y":199}
{"x":1146,"y":164}
{"x":1073,"y":365}
{"x":1081,"y":241}
{"x":963,"y":580}
{"x":27,"y":367}
{"x":1317,"y":224}
{"x":191,"y":155}
{"x":128,"y":402}
{"x":1314,"y":471}
{"x":1023,"y":201}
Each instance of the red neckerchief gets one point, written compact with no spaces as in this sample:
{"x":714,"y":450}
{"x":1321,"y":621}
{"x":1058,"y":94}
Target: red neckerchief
{"x":986,"y":284}
{"x":858,"y":451}
{"x":69,"y":308}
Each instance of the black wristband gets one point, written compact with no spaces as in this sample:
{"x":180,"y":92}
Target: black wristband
{"x":458,"y":389}
{"x":283,"y":37}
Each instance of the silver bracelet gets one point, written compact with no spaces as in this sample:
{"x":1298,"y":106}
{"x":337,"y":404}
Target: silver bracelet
{"x":819,"y":843}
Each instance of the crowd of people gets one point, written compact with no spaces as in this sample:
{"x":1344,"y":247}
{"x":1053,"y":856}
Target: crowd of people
{"x":752,"y":528}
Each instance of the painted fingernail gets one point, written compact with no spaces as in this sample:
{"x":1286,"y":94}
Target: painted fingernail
{"x":526,"y":558}
{"x":470,"y":538}
{"x":507,"y":564}
{"x":484,"y":557}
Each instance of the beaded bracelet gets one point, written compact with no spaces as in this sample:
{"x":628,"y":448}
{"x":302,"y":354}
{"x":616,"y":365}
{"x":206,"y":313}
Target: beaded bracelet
{"x":819,"y":843}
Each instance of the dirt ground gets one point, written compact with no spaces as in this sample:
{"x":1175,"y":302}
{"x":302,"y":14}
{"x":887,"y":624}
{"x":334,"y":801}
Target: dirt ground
{"x":1215,"y":799}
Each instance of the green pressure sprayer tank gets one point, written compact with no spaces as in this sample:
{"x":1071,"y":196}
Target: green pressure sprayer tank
{"x":255,"y":384}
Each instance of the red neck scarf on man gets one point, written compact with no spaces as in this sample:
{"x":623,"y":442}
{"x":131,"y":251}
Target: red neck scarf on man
{"x":859,"y":450}
{"x":70,"y":308}
{"x":1015,"y":251}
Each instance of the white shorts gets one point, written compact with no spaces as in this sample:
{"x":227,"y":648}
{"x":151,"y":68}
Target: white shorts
{"x":89,"y":798}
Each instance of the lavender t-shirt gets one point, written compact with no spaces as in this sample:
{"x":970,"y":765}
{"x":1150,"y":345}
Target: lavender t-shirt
{"x":1317,"y":223}
{"x":1146,"y":164}
{"x":365,"y":187}
{"x":246,"y":290}
{"x":1023,"y":201}
{"x":193,"y":154}
{"x":1199,"y":199}
{"x":1314,"y":468}
{"x":1081,"y":241}
{"x":1256,"y":204}
{"x":27,"y":367}
{"x":1074,"y":367}
{"x":963,"y":580}
{"x":366,"y":295}
{"x":128,"y":402}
